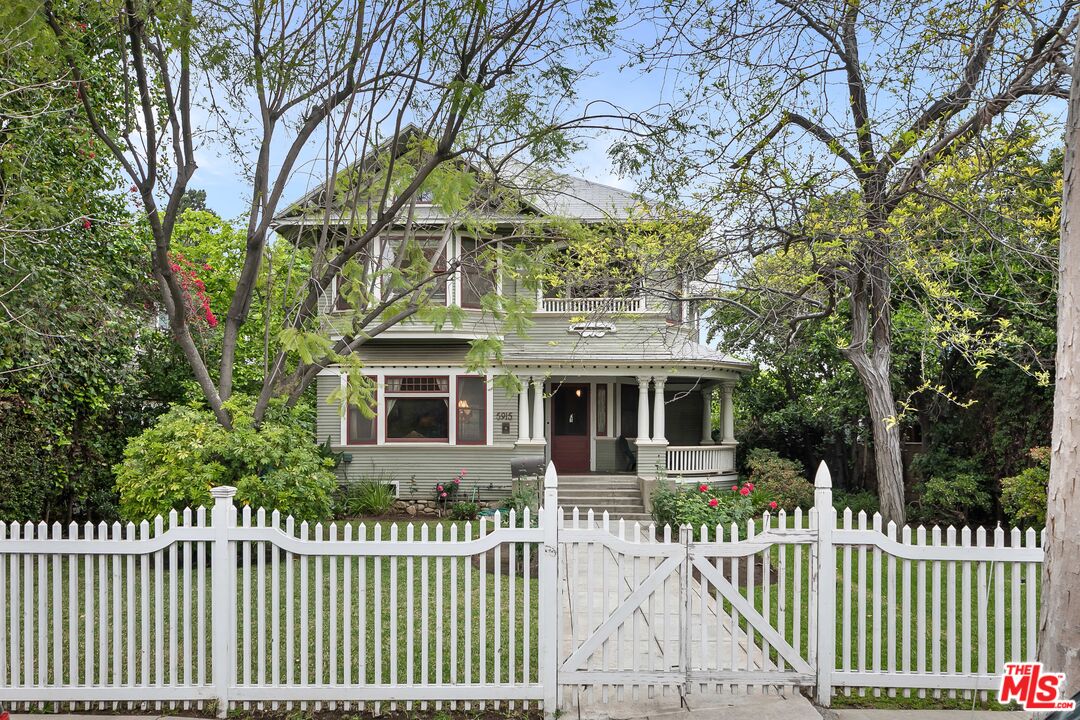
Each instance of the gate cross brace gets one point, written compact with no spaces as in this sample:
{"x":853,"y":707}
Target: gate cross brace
{"x":756,"y":621}
{"x":625,"y":610}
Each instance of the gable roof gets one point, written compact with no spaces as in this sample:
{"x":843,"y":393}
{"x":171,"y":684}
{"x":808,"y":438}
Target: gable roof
{"x":540,"y":192}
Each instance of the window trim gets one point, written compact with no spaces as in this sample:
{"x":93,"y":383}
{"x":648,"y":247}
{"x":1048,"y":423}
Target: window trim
{"x":414,"y":394}
{"x":452,"y":373}
{"x":459,"y":275}
{"x":599,"y":412}
{"x":486,"y":425}
{"x":347,"y":425}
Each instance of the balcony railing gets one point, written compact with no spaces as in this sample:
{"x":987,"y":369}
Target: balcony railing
{"x":592,"y":306}
{"x":700,"y":460}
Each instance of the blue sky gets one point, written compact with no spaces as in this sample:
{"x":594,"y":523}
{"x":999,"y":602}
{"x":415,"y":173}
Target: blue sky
{"x":228,"y":192}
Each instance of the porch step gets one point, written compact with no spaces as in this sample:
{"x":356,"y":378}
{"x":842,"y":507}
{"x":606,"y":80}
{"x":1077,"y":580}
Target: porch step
{"x":591,"y":481}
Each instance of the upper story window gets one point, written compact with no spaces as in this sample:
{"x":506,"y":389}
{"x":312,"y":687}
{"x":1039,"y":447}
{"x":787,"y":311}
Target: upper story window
{"x":434,"y":252}
{"x":476,"y":280}
{"x":357,"y":285}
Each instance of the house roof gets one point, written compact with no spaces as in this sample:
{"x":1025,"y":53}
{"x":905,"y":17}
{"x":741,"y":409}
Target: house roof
{"x":540,"y":192}
{"x":679,"y":353}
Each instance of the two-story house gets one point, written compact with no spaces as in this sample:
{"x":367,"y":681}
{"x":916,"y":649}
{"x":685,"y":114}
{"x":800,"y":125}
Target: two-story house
{"x":617,"y":390}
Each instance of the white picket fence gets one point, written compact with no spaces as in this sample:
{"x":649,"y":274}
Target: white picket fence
{"x":250,"y":610}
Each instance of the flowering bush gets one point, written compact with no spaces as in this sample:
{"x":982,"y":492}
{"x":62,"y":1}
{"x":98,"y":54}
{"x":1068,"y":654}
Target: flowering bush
{"x":709,"y":505}
{"x":445,"y":492}
{"x":197,"y":302}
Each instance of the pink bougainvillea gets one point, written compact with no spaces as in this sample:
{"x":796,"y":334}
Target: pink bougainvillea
{"x":197,"y":301}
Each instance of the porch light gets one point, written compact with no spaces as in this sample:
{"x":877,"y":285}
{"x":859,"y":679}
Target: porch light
{"x":463,"y":407}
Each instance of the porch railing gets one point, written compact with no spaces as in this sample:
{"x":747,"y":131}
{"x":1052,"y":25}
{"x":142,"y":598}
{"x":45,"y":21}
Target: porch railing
{"x":593,"y":305}
{"x":700,"y":459}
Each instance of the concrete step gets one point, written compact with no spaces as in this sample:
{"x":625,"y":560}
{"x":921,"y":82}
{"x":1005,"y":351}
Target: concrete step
{"x":598,"y":494}
{"x":599,"y":484}
{"x":611,"y":510}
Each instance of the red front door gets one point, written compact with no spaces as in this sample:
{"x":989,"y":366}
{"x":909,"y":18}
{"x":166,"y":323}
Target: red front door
{"x":570,"y":428}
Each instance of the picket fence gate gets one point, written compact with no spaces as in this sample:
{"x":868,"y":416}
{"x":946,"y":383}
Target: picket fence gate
{"x":523,"y":610}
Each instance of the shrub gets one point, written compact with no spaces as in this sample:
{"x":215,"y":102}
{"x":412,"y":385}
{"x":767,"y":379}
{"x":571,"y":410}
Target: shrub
{"x":710,"y":506}
{"x":464,"y":511}
{"x":952,"y":500}
{"x":174,"y":463}
{"x":1023,"y":496}
{"x":519,"y":500}
{"x":371,"y":495}
{"x":445,"y":492}
{"x":860,"y":501}
{"x":783,"y":479}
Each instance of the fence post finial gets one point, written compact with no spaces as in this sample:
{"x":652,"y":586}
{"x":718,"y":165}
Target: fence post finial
{"x":551,"y":478}
{"x":823,"y":478}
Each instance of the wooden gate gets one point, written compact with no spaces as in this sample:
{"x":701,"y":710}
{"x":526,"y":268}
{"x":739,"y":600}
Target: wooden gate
{"x":644,"y":613}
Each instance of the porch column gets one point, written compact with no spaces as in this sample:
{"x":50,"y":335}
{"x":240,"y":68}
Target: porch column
{"x":643,"y":409}
{"x":523,"y":411}
{"x":706,"y":416}
{"x":538,"y":409}
{"x":728,"y":425}
{"x":658,"y":410}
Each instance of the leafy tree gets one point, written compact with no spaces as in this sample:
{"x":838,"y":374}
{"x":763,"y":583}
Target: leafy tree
{"x":479,"y":82}
{"x":816,"y":130}
{"x":73,"y":297}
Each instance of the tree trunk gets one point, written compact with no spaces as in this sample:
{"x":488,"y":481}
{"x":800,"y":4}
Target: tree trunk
{"x":1059,"y":615}
{"x":888,"y":461}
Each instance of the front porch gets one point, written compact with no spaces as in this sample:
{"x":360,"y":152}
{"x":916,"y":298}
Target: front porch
{"x":653,"y":426}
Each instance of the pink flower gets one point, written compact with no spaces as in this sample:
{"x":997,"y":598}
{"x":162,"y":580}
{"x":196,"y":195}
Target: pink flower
{"x":464,"y":472}
{"x":86,"y":223}
{"x":714,"y":502}
{"x":750,"y":485}
{"x":703,"y":487}
{"x":439,"y":488}
{"x":442,"y":495}
{"x":457,"y":481}
{"x":745,"y":491}
{"x":734,"y":488}
{"x":772,"y":505}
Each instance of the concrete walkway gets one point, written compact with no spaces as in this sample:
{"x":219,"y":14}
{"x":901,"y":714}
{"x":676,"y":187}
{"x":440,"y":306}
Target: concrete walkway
{"x":596,"y":579}
{"x":925,"y":715}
